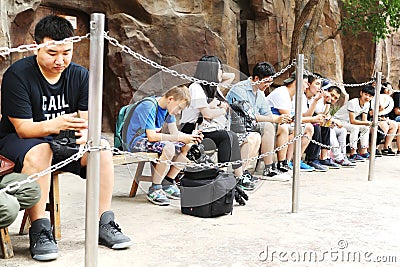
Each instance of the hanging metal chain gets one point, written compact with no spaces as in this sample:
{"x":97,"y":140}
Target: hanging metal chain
{"x":205,"y":165}
{"x":5,"y":51}
{"x":339,"y":84}
{"x":174,"y":73}
{"x":386,"y":134}
{"x":36,"y":176}
{"x":330,"y":147}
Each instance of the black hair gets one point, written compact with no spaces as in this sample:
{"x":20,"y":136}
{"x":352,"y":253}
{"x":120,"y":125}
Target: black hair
{"x":313,"y":77}
{"x":207,"y":69}
{"x":262,"y":70}
{"x":369,"y":89}
{"x":337,"y":89}
{"x":53,"y":27}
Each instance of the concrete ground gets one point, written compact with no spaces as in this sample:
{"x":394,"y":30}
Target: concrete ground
{"x":343,"y":220}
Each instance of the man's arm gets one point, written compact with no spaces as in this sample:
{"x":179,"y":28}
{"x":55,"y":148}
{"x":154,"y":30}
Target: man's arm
{"x":354,"y":121}
{"x":27,"y":128}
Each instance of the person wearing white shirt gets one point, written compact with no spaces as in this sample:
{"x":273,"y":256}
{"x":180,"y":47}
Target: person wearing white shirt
{"x":353,"y":116}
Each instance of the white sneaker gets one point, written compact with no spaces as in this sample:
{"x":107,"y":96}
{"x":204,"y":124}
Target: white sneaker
{"x":279,"y":176}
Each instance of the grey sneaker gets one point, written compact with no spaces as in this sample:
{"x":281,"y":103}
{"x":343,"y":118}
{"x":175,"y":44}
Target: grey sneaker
{"x":43,"y":246}
{"x":110,"y":234}
{"x":328,"y":162}
{"x":157,"y":196}
{"x":172,"y":191}
{"x":317,"y":166}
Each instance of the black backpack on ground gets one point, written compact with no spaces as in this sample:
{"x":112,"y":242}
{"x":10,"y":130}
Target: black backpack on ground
{"x":207,"y":192}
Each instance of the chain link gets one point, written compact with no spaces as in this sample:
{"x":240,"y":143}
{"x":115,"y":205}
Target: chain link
{"x":330,"y":147}
{"x":339,"y":84}
{"x":207,"y":165}
{"x":174,"y":73}
{"x":5,"y":51}
{"x":386,"y":134}
{"x":36,"y":176}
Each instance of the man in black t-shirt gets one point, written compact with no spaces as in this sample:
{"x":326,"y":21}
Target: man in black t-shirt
{"x":41,"y":96}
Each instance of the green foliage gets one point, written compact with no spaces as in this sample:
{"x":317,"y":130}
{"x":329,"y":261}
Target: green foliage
{"x":377,"y":17}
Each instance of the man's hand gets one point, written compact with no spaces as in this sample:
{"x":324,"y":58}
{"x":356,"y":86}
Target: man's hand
{"x":82,"y":136}
{"x":284,"y":118}
{"x":69,"y":122}
{"x":190,"y":138}
{"x":318,"y":118}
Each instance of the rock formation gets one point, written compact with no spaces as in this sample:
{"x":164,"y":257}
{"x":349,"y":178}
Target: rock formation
{"x":240,"y":32}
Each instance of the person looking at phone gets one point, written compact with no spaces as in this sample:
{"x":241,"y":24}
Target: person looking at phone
{"x":273,"y":128}
{"x":281,"y":101}
{"x":144,"y":135}
{"x":42,"y":95}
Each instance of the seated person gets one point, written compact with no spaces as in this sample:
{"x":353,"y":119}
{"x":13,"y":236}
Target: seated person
{"x":281,"y":101}
{"x":207,"y":102}
{"x":41,"y":96}
{"x":353,"y":116}
{"x":388,"y":127}
{"x":143,"y":135}
{"x":313,"y":104}
{"x":338,"y":133}
{"x":267,"y":123}
{"x":23,"y":197}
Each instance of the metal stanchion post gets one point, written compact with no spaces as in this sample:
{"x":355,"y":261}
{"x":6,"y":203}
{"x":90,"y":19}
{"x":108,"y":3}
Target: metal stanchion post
{"x":375,"y":127}
{"x":297,"y":131}
{"x":95,"y":114}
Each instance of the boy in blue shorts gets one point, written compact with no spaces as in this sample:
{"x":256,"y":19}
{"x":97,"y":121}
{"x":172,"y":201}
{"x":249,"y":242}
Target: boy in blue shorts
{"x":144,"y":135}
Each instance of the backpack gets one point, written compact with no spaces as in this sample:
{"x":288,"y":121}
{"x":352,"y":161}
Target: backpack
{"x":207,"y":192}
{"x":124,"y":115}
{"x":246,"y":115}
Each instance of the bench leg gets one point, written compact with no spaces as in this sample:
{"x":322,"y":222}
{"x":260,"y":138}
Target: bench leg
{"x":25,"y":224}
{"x":5,"y":244}
{"x":135,"y":182}
{"x":53,"y":207}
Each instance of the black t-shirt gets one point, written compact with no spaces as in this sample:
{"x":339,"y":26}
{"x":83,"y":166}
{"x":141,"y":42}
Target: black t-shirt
{"x":26,"y":94}
{"x":396,"y":100}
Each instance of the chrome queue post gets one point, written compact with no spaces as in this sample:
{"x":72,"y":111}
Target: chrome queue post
{"x":297,"y":131}
{"x":95,"y":115}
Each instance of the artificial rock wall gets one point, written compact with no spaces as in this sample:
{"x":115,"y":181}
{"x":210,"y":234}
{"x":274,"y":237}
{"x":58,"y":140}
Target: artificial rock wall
{"x":171,"y":32}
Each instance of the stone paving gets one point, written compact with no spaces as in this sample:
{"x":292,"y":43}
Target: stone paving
{"x":343,"y":220}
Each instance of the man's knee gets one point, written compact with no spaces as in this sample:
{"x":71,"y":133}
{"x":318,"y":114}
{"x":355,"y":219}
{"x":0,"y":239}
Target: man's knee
{"x":38,"y":156}
{"x":283,"y":129}
{"x":168,"y":150}
{"x":254,"y":138}
{"x":9,"y":208}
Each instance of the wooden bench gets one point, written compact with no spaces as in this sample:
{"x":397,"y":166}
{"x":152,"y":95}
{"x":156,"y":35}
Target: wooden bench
{"x":5,"y":244}
{"x":141,"y":158}
{"x":53,"y":206}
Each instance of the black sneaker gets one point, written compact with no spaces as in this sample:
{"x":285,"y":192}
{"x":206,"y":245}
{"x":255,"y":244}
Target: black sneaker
{"x":273,"y":174}
{"x":110,"y":234}
{"x":252,"y":178}
{"x":378,"y":154}
{"x":388,"y":152}
{"x":245,"y":183}
{"x":43,"y":246}
{"x":283,"y":166}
